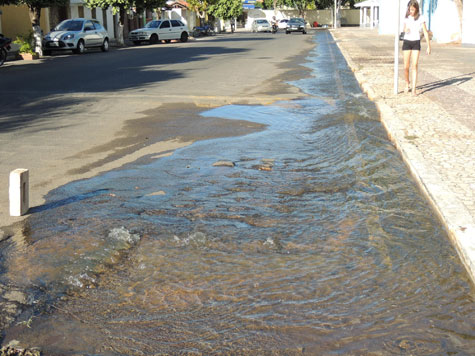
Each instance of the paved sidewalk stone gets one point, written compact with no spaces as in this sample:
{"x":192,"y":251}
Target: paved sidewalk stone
{"x":434,"y":131}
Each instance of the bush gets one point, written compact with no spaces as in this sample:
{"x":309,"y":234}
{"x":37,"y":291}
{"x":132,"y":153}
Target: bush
{"x":26,"y":43}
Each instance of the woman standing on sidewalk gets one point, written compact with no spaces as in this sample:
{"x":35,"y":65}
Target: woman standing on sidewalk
{"x":411,"y":47}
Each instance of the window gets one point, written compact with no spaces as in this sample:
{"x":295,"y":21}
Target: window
{"x":88,"y":26}
{"x":97,"y":25}
{"x":165,"y":24}
{"x":176,"y":23}
{"x":152,"y":24}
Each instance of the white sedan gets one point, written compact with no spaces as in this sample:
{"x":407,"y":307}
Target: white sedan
{"x":282,"y":24}
{"x":160,"y":30}
{"x":261,"y":25}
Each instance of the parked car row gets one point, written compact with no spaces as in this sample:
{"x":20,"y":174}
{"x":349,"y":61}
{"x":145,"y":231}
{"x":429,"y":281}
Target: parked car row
{"x":295,"y":24}
{"x":79,"y":34}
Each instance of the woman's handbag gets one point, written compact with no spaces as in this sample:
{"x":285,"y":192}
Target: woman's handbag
{"x":401,"y":36}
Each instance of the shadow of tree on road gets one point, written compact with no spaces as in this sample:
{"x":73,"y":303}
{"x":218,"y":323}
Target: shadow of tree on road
{"x":35,"y":93}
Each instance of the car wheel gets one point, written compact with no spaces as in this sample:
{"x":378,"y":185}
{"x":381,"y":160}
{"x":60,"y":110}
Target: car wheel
{"x":136,"y":43}
{"x":304,"y":32}
{"x":105,"y":45}
{"x":3,"y":56}
{"x":287,"y":32}
{"x":184,"y":37}
{"x":80,"y":47}
{"x":168,"y":41}
{"x":154,"y":39}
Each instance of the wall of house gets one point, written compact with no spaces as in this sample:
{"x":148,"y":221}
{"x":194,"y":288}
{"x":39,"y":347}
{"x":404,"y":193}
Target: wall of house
{"x":187,"y":16}
{"x":106,"y":18}
{"x":388,"y":16}
{"x":16,"y":20}
{"x":468,"y":24}
{"x":445,"y":22}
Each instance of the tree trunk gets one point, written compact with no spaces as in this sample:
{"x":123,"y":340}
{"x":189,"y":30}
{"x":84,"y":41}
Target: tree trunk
{"x":120,"y":27}
{"x":35,"y":13}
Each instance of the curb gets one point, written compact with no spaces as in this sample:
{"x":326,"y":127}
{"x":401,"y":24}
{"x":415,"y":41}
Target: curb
{"x":453,"y":214}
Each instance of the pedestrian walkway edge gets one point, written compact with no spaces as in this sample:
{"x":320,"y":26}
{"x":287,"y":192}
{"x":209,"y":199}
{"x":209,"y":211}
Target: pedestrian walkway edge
{"x":453,"y":214}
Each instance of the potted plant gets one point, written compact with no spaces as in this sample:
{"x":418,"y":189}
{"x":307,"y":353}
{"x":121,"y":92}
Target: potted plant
{"x":26,"y":49}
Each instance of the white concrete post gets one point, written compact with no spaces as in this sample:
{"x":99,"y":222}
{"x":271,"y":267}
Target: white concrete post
{"x":19,"y":192}
{"x":361,"y":17}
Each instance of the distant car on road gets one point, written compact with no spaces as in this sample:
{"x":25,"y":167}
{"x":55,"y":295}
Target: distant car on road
{"x":296,"y":24}
{"x":160,"y":30}
{"x":282,"y":23}
{"x":76,"y":35}
{"x":261,"y":25}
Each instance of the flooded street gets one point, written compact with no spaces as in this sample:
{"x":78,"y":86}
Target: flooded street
{"x":307,"y":237}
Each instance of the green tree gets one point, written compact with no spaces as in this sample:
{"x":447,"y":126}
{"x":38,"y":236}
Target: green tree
{"x":301,"y":5}
{"x":226,"y":9}
{"x":34,"y":11}
{"x":201,"y":7}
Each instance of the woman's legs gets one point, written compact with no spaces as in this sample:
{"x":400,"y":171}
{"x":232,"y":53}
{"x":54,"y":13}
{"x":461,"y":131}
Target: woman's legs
{"x":407,"y":64}
{"x":415,"y":62}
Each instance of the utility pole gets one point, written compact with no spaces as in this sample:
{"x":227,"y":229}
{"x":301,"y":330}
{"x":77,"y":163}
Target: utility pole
{"x":334,"y":15}
{"x":396,"y":46}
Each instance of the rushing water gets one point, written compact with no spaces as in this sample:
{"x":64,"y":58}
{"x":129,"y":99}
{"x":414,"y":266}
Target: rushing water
{"x":316,"y":241}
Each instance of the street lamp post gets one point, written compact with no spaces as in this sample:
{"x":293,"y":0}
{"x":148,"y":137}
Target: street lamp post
{"x":396,"y":47}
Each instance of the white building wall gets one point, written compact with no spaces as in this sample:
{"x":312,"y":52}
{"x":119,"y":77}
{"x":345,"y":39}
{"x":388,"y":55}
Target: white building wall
{"x":468,"y":25}
{"x":74,"y":11}
{"x":445,"y":23}
{"x":187,"y":17}
{"x":110,"y":23}
{"x":388,"y":16}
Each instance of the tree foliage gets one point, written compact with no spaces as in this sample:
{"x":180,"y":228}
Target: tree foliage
{"x":200,"y":6}
{"x":303,"y":5}
{"x":226,"y":9}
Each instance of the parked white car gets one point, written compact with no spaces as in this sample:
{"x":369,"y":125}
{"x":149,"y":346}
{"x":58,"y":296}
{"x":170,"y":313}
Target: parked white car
{"x":261,"y":25}
{"x":160,"y":30}
{"x":76,"y":35}
{"x":282,"y":24}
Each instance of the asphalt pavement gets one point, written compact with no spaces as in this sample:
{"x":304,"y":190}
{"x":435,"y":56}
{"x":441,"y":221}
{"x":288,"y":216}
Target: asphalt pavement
{"x":435,"y":130}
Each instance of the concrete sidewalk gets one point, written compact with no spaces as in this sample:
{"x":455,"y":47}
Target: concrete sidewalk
{"x":434,"y":131}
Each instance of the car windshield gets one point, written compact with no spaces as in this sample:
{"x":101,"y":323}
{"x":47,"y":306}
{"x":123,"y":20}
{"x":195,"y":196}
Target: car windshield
{"x":70,"y":25}
{"x":296,"y":20}
{"x":261,"y":21}
{"x":153,"y":24}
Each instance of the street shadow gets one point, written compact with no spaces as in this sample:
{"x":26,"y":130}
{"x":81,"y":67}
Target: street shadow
{"x":26,"y":88}
{"x":457,"y":80}
{"x":230,"y":38}
{"x":66,"y":201}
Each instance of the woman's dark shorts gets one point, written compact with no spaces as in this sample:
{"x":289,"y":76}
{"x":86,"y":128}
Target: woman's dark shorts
{"x":411,"y":45}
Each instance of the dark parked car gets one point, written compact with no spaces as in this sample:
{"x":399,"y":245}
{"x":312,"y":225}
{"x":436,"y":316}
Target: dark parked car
{"x":296,"y":24}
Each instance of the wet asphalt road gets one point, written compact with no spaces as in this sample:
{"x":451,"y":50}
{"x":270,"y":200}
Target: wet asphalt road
{"x":67,"y":113}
